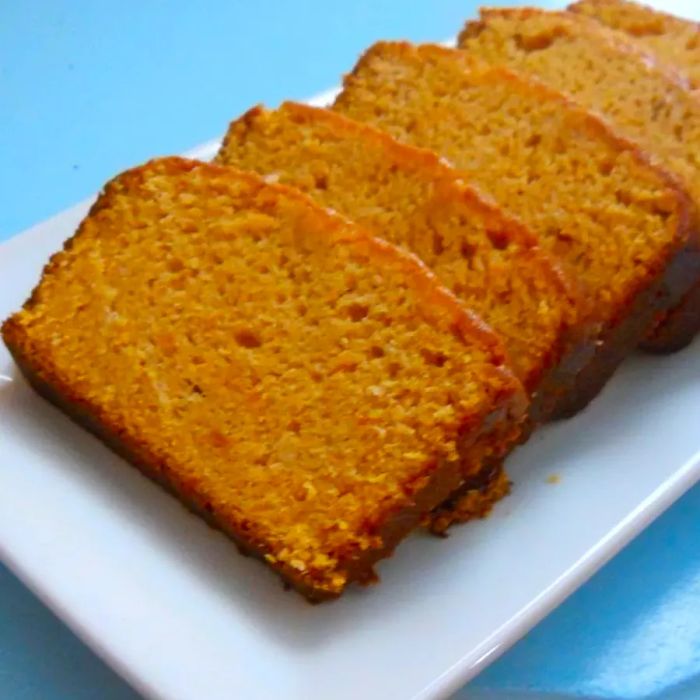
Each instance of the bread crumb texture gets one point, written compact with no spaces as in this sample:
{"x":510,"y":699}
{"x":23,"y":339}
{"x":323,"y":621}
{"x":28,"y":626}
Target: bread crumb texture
{"x":414,"y":199}
{"x":602,"y":71}
{"x":591,"y":199}
{"x":676,"y":41}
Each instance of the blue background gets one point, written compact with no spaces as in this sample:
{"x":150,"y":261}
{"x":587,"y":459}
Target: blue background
{"x":90,"y":88}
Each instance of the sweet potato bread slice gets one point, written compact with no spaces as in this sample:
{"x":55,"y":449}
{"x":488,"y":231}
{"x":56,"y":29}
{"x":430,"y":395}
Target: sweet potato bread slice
{"x":411,"y":198}
{"x":622,"y":227}
{"x":605,"y":72}
{"x":309,"y":389}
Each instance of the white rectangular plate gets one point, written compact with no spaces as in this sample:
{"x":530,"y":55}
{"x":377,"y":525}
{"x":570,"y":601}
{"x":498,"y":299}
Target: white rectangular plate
{"x":172,"y":606}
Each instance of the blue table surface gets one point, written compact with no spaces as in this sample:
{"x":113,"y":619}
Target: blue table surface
{"x":88,"y":88}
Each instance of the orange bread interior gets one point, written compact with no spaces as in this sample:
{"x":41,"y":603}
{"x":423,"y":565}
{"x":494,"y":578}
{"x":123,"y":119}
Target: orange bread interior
{"x":603,"y":71}
{"x":413,"y":199}
{"x":676,"y":41}
{"x":410,"y":197}
{"x":590,"y":198}
{"x":310,"y":389}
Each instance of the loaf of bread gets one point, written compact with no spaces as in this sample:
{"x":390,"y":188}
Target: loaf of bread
{"x":309,"y":389}
{"x":605,"y":72}
{"x":622,"y":227}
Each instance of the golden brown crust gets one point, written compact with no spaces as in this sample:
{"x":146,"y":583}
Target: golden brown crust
{"x":677,"y":328}
{"x":428,"y":487}
{"x":474,"y":500}
{"x":619,"y":340}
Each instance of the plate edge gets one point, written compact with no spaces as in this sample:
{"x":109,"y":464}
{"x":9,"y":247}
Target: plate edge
{"x":633,"y":524}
